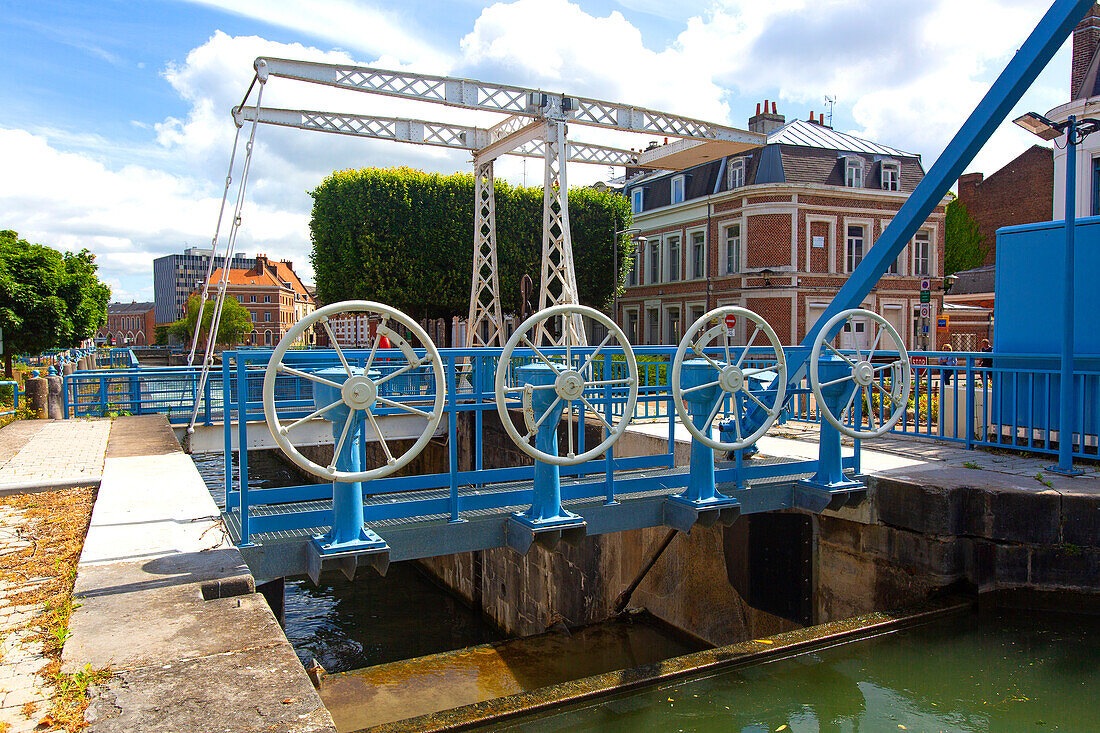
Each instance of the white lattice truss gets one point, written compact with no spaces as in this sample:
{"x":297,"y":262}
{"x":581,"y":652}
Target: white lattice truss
{"x":535,"y":127}
{"x":485,"y":322}
{"x":559,"y":279}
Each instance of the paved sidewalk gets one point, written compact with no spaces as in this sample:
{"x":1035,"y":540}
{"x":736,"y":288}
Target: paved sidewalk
{"x":35,"y":451}
{"x":23,"y":701}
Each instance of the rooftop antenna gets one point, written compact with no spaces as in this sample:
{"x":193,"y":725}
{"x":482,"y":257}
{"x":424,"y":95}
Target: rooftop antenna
{"x":830,"y":102}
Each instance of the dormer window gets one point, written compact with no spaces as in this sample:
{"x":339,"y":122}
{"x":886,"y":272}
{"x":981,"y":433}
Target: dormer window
{"x":637,"y":197}
{"x":891,"y":176}
{"x":853,"y":172}
{"x":736,"y":174}
{"x":677,"y":189}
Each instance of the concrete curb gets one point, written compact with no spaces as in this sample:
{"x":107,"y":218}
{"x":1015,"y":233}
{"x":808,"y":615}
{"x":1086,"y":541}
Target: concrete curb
{"x":35,"y":487}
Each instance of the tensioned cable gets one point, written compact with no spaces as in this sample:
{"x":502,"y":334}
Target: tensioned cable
{"x":234,"y":229}
{"x":214,"y":245}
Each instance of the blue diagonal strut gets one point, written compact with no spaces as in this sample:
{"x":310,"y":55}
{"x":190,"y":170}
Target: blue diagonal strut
{"x":1007,"y":90}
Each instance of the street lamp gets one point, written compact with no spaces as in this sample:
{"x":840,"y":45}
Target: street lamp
{"x":1075,"y":131}
{"x":637,"y":239}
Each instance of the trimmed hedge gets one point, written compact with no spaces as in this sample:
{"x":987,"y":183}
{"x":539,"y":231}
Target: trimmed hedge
{"x":405,"y":238}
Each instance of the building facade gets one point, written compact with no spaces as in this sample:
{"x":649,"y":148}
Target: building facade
{"x":1084,"y":96}
{"x":274,"y":297}
{"x":176,"y":277}
{"x":1019,"y":193}
{"x":778,"y":231}
{"x":128,"y":324}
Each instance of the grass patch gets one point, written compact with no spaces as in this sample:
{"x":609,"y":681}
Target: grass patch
{"x":1043,"y":481}
{"x":55,"y":523}
{"x":973,"y":466}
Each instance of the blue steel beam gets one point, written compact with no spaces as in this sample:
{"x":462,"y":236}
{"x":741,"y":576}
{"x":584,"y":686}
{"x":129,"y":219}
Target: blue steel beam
{"x":1018,"y":76}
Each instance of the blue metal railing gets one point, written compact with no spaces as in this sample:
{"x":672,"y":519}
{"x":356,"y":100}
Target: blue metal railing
{"x":14,"y":386}
{"x":171,"y":391}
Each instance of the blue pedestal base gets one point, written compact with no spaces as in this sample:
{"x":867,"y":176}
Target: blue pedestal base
{"x":523,"y":532}
{"x":683,"y":514}
{"x":816,"y":497}
{"x":370,"y":549}
{"x":1061,"y":472}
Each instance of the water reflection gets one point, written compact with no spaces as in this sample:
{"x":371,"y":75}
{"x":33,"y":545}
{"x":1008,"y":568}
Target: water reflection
{"x":1008,"y":672}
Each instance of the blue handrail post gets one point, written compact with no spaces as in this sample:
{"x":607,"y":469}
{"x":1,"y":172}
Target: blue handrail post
{"x":452,"y":441}
{"x":970,"y":380}
{"x":609,"y":476}
{"x":209,"y":391}
{"x":66,"y":384}
{"x":227,"y":437}
{"x":1065,"y":389}
{"x":242,"y":447}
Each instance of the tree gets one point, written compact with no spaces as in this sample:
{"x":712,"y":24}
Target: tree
{"x":235,"y":324}
{"x":48,"y":300}
{"x":964,"y":248}
{"x":405,"y":238}
{"x":162,"y":333}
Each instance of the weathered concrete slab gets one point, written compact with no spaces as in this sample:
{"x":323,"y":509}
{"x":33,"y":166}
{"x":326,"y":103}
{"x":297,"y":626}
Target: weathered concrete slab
{"x":168,"y":605}
{"x":250,"y":695}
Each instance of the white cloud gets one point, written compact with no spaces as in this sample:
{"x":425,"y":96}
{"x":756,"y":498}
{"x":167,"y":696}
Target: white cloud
{"x":350,"y":24}
{"x":906,"y":74}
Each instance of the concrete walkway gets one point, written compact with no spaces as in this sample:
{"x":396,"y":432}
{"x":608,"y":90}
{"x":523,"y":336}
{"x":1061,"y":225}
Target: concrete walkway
{"x":52,"y":453}
{"x":168,"y":605}
{"x":914,"y":458}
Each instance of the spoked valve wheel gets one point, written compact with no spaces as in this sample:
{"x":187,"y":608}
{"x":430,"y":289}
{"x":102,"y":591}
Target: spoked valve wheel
{"x":865,"y":373}
{"x":359,"y":391}
{"x":574,"y":383}
{"x":732,"y":375}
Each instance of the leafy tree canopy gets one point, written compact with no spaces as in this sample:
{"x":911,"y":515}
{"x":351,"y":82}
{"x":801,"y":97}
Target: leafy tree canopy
{"x":405,"y":238}
{"x":48,"y":299}
{"x":233,"y":329}
{"x":964,"y":246}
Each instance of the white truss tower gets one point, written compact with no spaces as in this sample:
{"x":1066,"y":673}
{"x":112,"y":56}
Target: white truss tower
{"x":535,"y":126}
{"x":559,"y":279}
{"x":485,"y":313}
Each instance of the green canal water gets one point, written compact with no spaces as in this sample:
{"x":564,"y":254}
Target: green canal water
{"x":999,"y":672}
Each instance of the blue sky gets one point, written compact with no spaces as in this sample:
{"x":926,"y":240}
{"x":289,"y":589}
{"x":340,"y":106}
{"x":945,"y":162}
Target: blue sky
{"x":115,"y":129}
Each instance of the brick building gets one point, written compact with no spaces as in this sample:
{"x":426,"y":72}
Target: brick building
{"x":128,"y":324}
{"x":1021,"y":192}
{"x":1084,"y":96}
{"x":778,"y":231}
{"x":274,"y":296}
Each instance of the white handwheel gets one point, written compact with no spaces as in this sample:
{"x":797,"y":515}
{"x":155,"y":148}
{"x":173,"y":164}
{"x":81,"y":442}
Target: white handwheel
{"x":864,"y":373}
{"x":570,"y":385}
{"x":732,"y":376}
{"x":359,"y":393}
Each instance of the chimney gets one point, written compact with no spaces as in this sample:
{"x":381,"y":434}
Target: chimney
{"x":766,"y":122}
{"x":1086,"y":39}
{"x":968,"y":183}
{"x":812,"y":120}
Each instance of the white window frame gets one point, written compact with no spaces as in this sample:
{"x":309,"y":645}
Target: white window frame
{"x":671,"y":241}
{"x":928,"y":254}
{"x":681,"y":183}
{"x":830,"y":237}
{"x":700,"y":274}
{"x":853,"y":173}
{"x":735,"y":175}
{"x":689,"y":319}
{"x":849,"y":264}
{"x":894,"y":180}
{"x":637,"y":200}
{"x":736,"y":268}
{"x":900,"y":264}
{"x":646,"y":325}
{"x":632,"y":335}
{"x":653,"y":274}
{"x":673,"y":338}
